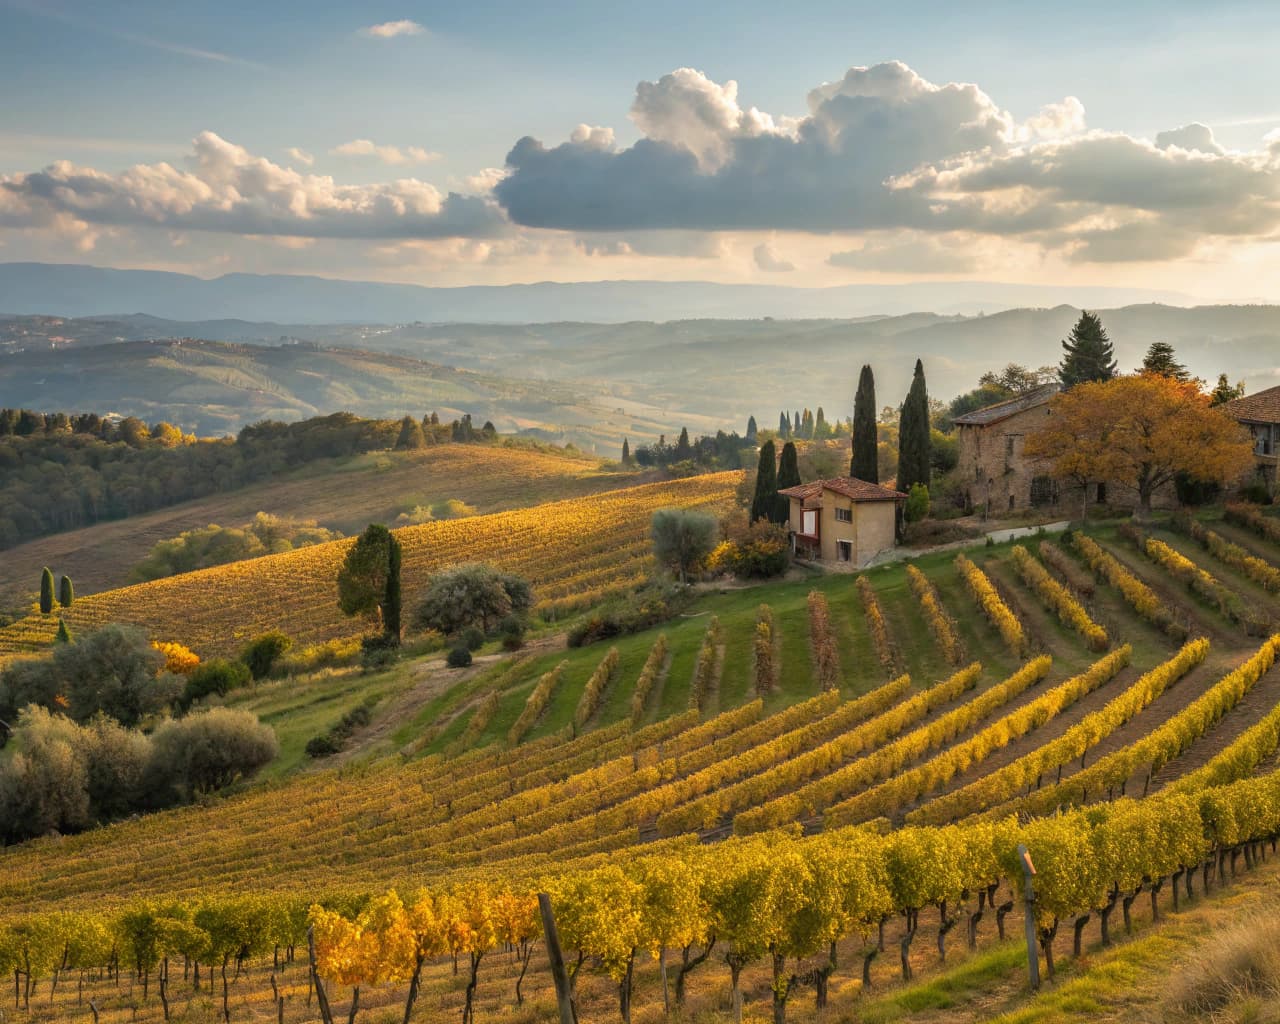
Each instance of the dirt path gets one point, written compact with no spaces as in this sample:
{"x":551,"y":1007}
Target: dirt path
{"x":433,"y":677}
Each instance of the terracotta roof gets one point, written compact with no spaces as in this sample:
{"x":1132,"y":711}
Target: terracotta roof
{"x":1264,"y":407}
{"x":1009,"y":407}
{"x":848,"y":486}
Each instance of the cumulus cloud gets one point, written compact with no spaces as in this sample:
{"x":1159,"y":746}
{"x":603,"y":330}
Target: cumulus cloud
{"x":766,"y":258}
{"x":225,"y":188}
{"x":910,"y":253}
{"x":1194,"y":137}
{"x":882,"y":149}
{"x":393,"y":155}
{"x":391,"y":29}
{"x":301,"y":155}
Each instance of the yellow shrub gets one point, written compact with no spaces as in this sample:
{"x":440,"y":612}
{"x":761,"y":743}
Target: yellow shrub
{"x":178,"y":659}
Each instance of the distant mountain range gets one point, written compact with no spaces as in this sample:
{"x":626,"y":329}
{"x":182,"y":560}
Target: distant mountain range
{"x":592,"y":383}
{"x":81,"y":291}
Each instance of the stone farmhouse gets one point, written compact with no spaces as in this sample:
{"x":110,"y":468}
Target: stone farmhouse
{"x":997,"y":475}
{"x":1260,"y":414}
{"x":843,"y":520}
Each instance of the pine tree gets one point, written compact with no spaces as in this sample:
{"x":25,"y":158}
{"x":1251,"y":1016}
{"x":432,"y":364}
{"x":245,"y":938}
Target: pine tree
{"x":752,"y":430}
{"x":369,"y":579}
{"x":626,"y":452}
{"x":63,"y":635}
{"x":1224,"y":391}
{"x":765,"y":501}
{"x":684,"y":450}
{"x":46,"y":591}
{"x":1160,"y":360}
{"x":66,"y":592}
{"x":913,"y":434}
{"x":866,"y":438}
{"x":1087,"y":353}
{"x":784,"y":426}
{"x":411,"y":436}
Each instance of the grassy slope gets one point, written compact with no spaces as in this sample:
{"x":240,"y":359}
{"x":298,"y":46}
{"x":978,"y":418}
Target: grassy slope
{"x":342,"y":494}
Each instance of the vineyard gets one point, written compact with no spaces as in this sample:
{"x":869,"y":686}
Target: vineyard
{"x":796,"y":795}
{"x":574,"y":552}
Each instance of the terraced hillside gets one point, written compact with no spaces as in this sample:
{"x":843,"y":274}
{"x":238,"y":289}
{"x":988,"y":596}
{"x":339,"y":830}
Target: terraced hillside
{"x":899,"y":719}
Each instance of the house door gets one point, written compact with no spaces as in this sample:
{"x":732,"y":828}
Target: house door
{"x":844,"y":551}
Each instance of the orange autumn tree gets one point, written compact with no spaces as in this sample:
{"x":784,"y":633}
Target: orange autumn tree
{"x":1141,"y":432}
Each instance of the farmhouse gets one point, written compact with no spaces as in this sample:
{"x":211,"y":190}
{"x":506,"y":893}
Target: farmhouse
{"x":1260,"y":414}
{"x":998,"y":477}
{"x":843,"y":519}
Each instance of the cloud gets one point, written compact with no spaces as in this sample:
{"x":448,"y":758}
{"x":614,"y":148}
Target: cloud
{"x":391,"y":29}
{"x":766,"y":257}
{"x":1194,"y":137}
{"x":394,"y":155}
{"x":301,"y":155}
{"x":225,"y":188}
{"x":882,"y":149}
{"x":912,"y":253}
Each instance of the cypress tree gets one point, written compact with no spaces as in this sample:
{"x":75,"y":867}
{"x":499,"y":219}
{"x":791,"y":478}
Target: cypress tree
{"x":684,"y":450}
{"x":391,"y":602}
{"x":46,"y":591}
{"x":788,"y":476}
{"x":820,"y":426}
{"x":752,"y":430}
{"x":1087,"y":353}
{"x":64,"y":635}
{"x":806,"y":425}
{"x":784,"y":426}
{"x":765,"y":501}
{"x":626,"y":452}
{"x":795,"y":427}
{"x":865,"y":464}
{"x":66,"y":592}
{"x":913,"y":434}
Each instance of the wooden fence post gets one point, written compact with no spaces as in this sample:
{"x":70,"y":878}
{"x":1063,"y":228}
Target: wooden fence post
{"x":556,"y":956}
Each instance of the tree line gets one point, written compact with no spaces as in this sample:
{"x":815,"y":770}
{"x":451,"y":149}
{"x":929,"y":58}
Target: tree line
{"x":61,"y":472}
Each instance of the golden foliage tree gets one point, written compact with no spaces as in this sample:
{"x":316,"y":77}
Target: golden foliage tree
{"x":1140,"y":432}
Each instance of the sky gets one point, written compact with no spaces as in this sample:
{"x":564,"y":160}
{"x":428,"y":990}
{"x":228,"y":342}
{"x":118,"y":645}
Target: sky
{"x":1133,"y":144}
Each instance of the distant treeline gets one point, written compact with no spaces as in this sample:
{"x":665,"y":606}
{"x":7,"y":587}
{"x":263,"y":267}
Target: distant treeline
{"x":710,"y":451}
{"x":60,"y":471}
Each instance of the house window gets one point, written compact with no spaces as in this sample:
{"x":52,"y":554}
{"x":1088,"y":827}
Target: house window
{"x":1101,"y":498}
{"x":1042,"y":491}
{"x":1008,"y":445}
{"x":1011,"y":503}
{"x":810,"y":522}
{"x":844,"y":551}
{"x":844,"y":515}
{"x":977,"y":474}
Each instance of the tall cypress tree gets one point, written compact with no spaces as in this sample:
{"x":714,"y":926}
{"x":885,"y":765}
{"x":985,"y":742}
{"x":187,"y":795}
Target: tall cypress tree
{"x":684,"y":450}
{"x":913,"y":434}
{"x":784,"y":426}
{"x":1087,"y":353}
{"x":411,"y":437}
{"x":66,"y":592}
{"x":63,"y":635}
{"x":806,"y":425}
{"x":765,"y":501}
{"x":795,"y":427}
{"x":391,"y":601}
{"x":865,"y":464}
{"x":752,"y":430}
{"x":46,"y":591}
{"x":821,"y":429}
{"x":626,"y":452}
{"x":788,"y":476}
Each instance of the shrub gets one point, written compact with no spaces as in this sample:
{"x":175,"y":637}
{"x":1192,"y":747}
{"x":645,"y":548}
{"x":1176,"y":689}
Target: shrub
{"x":650,"y":605}
{"x":217,"y":676}
{"x":264,"y":651}
{"x":322,"y":745}
{"x":178,"y":659}
{"x":336,"y":738}
{"x":1256,"y":492}
{"x":511,"y":630}
{"x":459,"y":657}
{"x":374,"y":659}
{"x":759,"y":550}
{"x":206,"y":751}
{"x":917,"y":505}
{"x":472,"y":638}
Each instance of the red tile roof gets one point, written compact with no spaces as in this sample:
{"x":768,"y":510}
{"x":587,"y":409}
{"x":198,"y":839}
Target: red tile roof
{"x":1264,"y":407}
{"x":848,"y":486}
